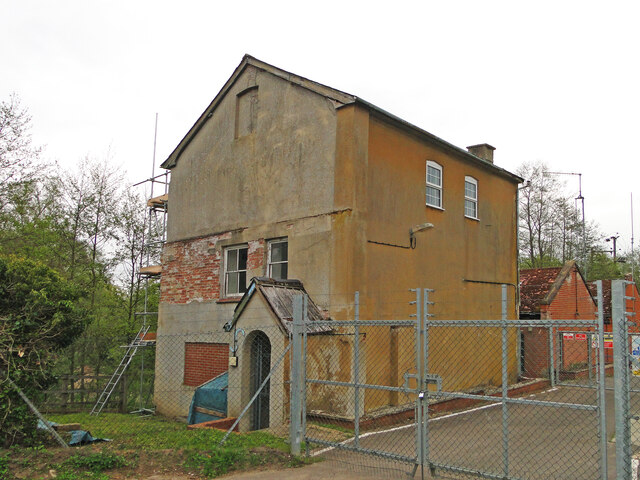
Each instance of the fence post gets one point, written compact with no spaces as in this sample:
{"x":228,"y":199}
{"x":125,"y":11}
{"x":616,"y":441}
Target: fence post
{"x":601,"y":374}
{"x":296,"y":378}
{"x":123,"y":394}
{"x":621,"y":380}
{"x":303,"y":373}
{"x":356,"y":373}
{"x":425,"y":369}
{"x":552,"y":358}
{"x":505,"y":387}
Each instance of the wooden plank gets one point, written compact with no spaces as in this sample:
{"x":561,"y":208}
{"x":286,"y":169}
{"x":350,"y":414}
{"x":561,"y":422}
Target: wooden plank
{"x":206,"y":411}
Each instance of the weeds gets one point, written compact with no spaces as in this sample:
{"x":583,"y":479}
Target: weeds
{"x":216,"y":462}
{"x":94,"y":462}
{"x":4,"y":468}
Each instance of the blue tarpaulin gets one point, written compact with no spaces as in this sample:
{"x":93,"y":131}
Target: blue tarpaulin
{"x":82,"y":437}
{"x":210,"y":396}
{"x":78,"y":437}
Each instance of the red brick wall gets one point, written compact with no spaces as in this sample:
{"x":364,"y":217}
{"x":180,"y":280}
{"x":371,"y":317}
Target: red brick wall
{"x":536,"y":352}
{"x":191,"y":269}
{"x":203,"y":361}
{"x":573,"y":302}
{"x":633,"y":306}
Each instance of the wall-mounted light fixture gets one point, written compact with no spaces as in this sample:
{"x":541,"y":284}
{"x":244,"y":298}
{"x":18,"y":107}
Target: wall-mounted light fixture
{"x":415,"y":229}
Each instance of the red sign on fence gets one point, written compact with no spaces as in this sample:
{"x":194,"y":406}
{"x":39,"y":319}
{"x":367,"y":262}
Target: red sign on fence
{"x":581,"y":336}
{"x":608,"y":341}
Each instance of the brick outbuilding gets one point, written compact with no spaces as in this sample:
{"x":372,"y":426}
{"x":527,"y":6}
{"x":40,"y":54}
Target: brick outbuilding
{"x":557,"y":293}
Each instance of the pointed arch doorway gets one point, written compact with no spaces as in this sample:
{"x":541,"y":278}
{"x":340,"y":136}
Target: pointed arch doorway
{"x":260,"y":366}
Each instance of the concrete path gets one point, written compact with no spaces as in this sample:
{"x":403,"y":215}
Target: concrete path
{"x":317,"y":471}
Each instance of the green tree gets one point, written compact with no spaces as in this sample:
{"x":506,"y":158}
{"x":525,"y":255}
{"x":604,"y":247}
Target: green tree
{"x":602,"y":267}
{"x":39,"y":316}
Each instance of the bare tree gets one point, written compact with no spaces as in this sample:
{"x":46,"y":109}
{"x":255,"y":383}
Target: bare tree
{"x":550,"y":225}
{"x":18,"y":157}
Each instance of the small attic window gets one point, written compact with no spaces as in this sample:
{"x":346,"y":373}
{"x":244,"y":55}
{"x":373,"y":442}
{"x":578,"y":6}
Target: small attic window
{"x":246,"y":111}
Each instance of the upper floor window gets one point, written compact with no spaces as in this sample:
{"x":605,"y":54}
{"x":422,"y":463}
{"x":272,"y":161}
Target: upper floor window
{"x":434,"y":184}
{"x":278,"y":259}
{"x":235,"y":270}
{"x":470,"y":197}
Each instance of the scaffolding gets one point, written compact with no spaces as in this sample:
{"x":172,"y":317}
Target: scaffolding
{"x":149,"y":270}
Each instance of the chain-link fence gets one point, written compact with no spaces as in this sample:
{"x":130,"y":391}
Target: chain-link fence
{"x":493,"y":398}
{"x":501,"y":398}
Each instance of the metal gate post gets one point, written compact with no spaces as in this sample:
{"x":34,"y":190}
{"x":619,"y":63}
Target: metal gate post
{"x":356,"y":373}
{"x":505,"y":387}
{"x":601,"y":373}
{"x":621,"y":380}
{"x":295,"y":410}
{"x":425,"y":370}
{"x":420,"y":372}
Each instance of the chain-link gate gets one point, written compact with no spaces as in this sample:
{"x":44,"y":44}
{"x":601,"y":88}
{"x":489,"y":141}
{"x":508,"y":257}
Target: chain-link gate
{"x":359,"y":390}
{"x":504,"y":398}
{"x":540,"y":415}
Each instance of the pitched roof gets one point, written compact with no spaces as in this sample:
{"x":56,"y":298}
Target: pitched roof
{"x":606,"y":295}
{"x":279,"y":295}
{"x":340,"y":97}
{"x":535,"y":284}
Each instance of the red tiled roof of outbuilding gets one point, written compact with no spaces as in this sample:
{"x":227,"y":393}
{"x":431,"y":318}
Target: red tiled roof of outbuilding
{"x":535,"y":285}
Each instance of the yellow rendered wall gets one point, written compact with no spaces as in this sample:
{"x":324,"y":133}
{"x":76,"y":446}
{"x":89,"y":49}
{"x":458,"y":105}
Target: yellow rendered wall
{"x":381,"y":175}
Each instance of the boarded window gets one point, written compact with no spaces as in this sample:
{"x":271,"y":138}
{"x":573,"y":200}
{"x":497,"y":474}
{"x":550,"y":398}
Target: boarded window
{"x":204,"y":361}
{"x":246,"y":112}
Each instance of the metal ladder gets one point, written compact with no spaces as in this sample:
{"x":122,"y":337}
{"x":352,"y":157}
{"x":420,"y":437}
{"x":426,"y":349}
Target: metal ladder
{"x":124,"y":363}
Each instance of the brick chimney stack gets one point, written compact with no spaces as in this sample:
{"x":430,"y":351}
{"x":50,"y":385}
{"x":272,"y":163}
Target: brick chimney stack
{"x":482,"y":150}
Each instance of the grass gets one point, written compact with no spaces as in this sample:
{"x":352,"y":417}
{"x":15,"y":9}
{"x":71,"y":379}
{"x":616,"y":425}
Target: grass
{"x":145,"y":444}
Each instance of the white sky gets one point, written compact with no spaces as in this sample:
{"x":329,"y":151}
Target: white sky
{"x":556,"y":81}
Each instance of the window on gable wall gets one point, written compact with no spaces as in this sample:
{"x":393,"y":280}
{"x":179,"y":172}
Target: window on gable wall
{"x":278,"y":259}
{"x":470,"y":197}
{"x":235,"y":270}
{"x":434,"y":184}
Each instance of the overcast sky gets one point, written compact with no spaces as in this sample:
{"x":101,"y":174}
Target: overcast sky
{"x":555,"y":81}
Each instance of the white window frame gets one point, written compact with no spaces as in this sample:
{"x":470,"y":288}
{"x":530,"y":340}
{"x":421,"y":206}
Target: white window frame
{"x":469,"y":199}
{"x":227,"y":271}
{"x":435,"y":186}
{"x":270,"y":262}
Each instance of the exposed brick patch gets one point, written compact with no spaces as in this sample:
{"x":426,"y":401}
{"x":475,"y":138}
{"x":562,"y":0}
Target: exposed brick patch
{"x":255,"y":254}
{"x":191,"y":269}
{"x":204,"y":361}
